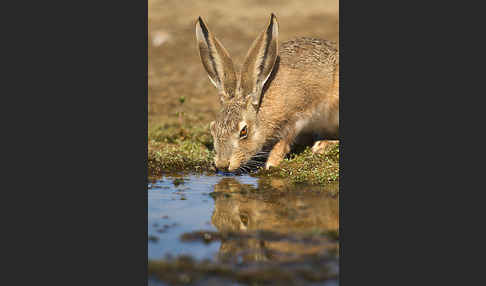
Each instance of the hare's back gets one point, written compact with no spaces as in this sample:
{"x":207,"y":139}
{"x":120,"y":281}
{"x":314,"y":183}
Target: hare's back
{"x":307,"y":86}
{"x":309,"y":54}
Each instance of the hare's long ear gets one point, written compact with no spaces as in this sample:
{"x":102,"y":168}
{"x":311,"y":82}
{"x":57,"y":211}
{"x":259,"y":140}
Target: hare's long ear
{"x":259,"y":62}
{"x":216,"y":61}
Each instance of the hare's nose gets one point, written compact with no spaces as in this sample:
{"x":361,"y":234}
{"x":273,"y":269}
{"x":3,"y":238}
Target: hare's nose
{"x":221,"y":164}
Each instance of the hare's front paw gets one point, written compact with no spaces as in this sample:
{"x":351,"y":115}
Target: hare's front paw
{"x":274,"y":161}
{"x":277,"y":154}
{"x":321,"y":146}
{"x":271,"y":164}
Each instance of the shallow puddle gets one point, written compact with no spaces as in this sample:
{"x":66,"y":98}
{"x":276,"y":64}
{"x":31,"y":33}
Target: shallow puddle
{"x":238,"y":230}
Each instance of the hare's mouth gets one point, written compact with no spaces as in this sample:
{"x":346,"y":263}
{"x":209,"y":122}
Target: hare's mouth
{"x":255,"y":163}
{"x":226,"y":172}
{"x":252,"y":165}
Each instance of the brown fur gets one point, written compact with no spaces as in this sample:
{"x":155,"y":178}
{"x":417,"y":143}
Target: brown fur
{"x":278,"y":96}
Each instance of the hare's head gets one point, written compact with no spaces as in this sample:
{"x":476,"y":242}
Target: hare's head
{"x":237,"y":132}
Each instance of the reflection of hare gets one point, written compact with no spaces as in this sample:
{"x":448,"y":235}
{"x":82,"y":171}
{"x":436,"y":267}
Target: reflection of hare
{"x":279,"y":210}
{"x":279,"y":94}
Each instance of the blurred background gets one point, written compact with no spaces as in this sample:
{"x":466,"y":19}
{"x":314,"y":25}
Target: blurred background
{"x":175,"y":73}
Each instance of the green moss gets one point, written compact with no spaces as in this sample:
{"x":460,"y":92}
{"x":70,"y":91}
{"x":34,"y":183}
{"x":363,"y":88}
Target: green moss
{"x":175,"y":148}
{"x":308,"y":167}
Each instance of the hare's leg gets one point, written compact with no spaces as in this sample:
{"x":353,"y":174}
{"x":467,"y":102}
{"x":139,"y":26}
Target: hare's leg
{"x":278,"y":153}
{"x":322,"y":145}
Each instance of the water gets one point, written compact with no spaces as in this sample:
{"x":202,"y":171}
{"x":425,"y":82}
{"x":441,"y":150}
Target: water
{"x":174,"y":209}
{"x":242,"y":223}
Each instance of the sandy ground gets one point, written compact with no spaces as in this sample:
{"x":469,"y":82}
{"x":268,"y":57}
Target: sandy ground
{"x":175,"y":69}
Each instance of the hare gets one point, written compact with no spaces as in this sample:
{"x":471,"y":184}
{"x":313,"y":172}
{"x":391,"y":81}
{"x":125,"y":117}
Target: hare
{"x":279,"y":97}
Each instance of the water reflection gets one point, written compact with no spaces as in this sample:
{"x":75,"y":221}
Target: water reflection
{"x":241,"y":229}
{"x":281,"y":218}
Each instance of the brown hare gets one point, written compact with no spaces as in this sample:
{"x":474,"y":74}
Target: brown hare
{"x":279,"y":97}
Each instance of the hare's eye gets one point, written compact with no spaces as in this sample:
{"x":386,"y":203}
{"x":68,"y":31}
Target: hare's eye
{"x":243,"y":132}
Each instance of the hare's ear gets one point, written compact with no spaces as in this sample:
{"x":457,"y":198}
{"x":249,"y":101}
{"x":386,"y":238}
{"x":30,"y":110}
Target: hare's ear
{"x":259,"y":62}
{"x":216,"y":61}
